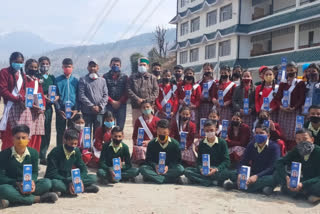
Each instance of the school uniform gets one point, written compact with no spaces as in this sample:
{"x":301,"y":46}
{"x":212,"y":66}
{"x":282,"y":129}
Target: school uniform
{"x":37,"y":118}
{"x":287,"y":120}
{"x":313,"y":92}
{"x":11,"y":171}
{"x":67,"y":91}
{"x":173,"y":160}
{"x":310,"y":171}
{"x":195,"y":97}
{"x":109,"y":152}
{"x":166,"y":95}
{"x":12,"y":90}
{"x":315,"y":132}
{"x":150,"y":132}
{"x":238,"y":96}
{"x":60,"y":162}
{"x":228,"y":89}
{"x":100,"y":138}
{"x":187,"y":155}
{"x":237,"y":144}
{"x":261,"y":161}
{"x":267,"y":92}
{"x":206,"y":104}
{"x":219,"y":158}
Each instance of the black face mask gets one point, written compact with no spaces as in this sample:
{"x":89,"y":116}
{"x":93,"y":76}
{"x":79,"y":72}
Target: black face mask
{"x":178,"y":76}
{"x":165,"y":80}
{"x":313,"y":76}
{"x":185,"y":118}
{"x":224,"y":77}
{"x":162,"y":137}
{"x":305,"y":148}
{"x":208,"y":74}
{"x":291,"y":75}
{"x":68,"y":148}
{"x":189,"y":78}
{"x":32,"y":72}
{"x":262,"y":119}
{"x":156,"y":73}
{"x":235,"y":123}
{"x":314,"y":119}
{"x":116,"y":141}
{"x":236,"y":75}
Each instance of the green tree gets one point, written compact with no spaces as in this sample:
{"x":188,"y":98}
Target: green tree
{"x":134,"y":61}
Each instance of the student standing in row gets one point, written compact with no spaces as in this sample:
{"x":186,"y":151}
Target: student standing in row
{"x":313,"y":123}
{"x":313,"y":83}
{"x":178,"y":74}
{"x":117,"y":91}
{"x":156,"y":71}
{"x":67,"y":87}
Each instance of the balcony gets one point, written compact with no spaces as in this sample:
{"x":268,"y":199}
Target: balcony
{"x":264,"y":8}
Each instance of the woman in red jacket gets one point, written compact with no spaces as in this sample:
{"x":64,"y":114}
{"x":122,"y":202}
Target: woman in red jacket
{"x":188,"y":86}
{"x":166,"y":96}
{"x":223,"y":92}
{"x":37,"y":112}
{"x":290,"y":105}
{"x":238,"y":138}
{"x":268,"y":89}
{"x":184,"y":124}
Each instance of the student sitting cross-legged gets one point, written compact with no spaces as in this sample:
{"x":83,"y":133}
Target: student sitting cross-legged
{"x":308,"y":154}
{"x":217,"y":148}
{"x":12,"y":161}
{"x":261,"y":155}
{"x":163,"y":143}
{"x":62,"y":159}
{"x":115,"y":149}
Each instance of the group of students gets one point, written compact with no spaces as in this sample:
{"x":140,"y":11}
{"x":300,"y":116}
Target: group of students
{"x":259,"y":134}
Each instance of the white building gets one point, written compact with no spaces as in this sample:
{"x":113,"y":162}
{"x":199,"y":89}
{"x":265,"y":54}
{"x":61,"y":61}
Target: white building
{"x":249,"y":33}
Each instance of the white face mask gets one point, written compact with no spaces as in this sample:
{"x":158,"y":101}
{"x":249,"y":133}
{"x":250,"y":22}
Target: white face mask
{"x":142,"y":69}
{"x":210,"y":134}
{"x":93,"y":76}
{"x":79,"y":127}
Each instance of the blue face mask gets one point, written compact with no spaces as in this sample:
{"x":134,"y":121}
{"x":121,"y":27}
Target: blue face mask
{"x":260,"y":138}
{"x":17,"y":66}
{"x":115,"y":68}
{"x":147,"y":111}
{"x":109,"y":124}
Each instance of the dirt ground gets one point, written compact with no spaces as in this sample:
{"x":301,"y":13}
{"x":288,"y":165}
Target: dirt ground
{"x":151,"y":198}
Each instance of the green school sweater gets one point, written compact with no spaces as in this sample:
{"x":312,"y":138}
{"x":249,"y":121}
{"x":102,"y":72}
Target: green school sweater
{"x":58,"y":167}
{"x":173,"y":153}
{"x":310,"y":168}
{"x":11,"y":171}
{"x":107,"y":154}
{"x":219,"y":154}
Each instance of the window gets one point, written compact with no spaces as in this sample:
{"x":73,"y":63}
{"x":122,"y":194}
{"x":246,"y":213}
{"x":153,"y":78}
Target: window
{"x":184,"y":28}
{"x":183,"y":3}
{"x":211,"y":18}
{"x":194,"y":55}
{"x":210,"y":51}
{"x":183,"y":57}
{"x":226,"y":13}
{"x":311,"y":38}
{"x":225,"y":48}
{"x":195,"y":24}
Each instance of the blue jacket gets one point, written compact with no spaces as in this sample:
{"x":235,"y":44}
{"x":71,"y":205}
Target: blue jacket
{"x":67,"y":91}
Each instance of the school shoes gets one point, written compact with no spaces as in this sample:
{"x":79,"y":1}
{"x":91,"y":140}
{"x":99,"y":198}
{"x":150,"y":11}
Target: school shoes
{"x":4,"y":204}
{"x":267,"y":191}
{"x":313,"y":199}
{"x":91,"y":189}
{"x":228,"y":185}
{"x":49,"y":197}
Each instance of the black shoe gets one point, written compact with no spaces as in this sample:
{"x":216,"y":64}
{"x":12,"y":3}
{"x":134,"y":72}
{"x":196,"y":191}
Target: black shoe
{"x":91,"y":189}
{"x":43,"y":162}
{"x":228,"y":185}
{"x":267,"y":191}
{"x":103,"y":181}
{"x":49,"y":197}
{"x":313,"y":199}
{"x":4,"y":204}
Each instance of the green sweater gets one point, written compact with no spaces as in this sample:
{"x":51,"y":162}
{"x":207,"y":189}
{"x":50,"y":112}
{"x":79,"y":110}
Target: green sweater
{"x":51,"y":80}
{"x":310,"y":168}
{"x":11,"y":171}
{"x":316,"y":137}
{"x":58,"y":167}
{"x":219,"y":154}
{"x":107,"y":154}
{"x":173,"y":153}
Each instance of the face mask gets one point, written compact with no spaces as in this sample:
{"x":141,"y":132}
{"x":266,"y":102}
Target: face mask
{"x":269,"y":79}
{"x":147,"y":111}
{"x":79,"y":127}
{"x":262,"y":119}
{"x":235,"y":123}
{"x":210,"y":134}
{"x":93,"y":76}
{"x":116,"y":141}
{"x":185,"y":118}
{"x":67,"y":71}
{"x":17,"y":66}
{"x":44,"y":68}
{"x":314,"y":119}
{"x":21,"y":144}
{"x":163,"y":138}
{"x":109,"y":124}
{"x":156,"y":73}
{"x":32,"y":72}
{"x":142,"y":69}
{"x":68,"y":148}
{"x":305,"y":148}
{"x":165,"y":80}
{"x":208,"y":74}
{"x":291,"y":75}
{"x":246,"y":81}
{"x":178,"y":76}
{"x":189,"y":78}
{"x":115,"y":68}
{"x":260,"y":138}
{"x":224,"y":77}
{"x":236,"y":75}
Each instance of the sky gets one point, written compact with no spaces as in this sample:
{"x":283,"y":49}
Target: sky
{"x":80,"y":22}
